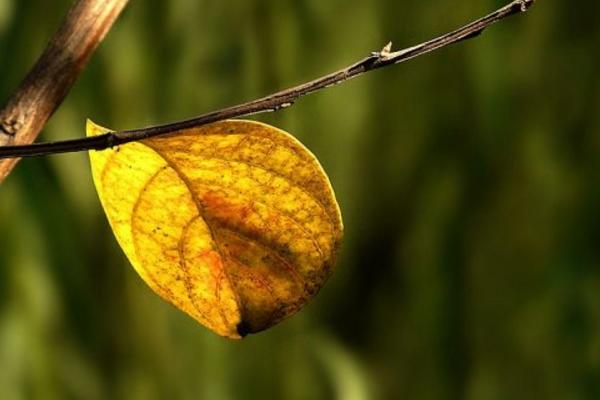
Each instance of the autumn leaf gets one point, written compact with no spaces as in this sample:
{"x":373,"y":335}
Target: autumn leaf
{"x":235,"y":223}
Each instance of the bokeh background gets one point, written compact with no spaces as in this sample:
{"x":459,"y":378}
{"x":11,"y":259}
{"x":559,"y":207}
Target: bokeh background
{"x":469,"y":182}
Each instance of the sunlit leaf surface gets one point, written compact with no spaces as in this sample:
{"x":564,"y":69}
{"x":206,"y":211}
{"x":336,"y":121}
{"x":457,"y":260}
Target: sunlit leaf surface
{"x":235,"y":223}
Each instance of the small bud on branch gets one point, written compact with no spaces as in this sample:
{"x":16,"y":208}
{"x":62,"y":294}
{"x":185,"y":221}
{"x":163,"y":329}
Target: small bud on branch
{"x":279,"y":100}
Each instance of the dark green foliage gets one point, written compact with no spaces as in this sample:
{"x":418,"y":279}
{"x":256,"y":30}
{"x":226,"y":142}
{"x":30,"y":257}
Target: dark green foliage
{"x":469,"y":182}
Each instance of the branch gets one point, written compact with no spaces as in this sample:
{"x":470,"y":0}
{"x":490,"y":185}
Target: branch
{"x":55,"y":72}
{"x":276,"y":101}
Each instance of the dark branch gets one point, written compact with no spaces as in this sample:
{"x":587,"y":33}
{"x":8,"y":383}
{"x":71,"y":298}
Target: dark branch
{"x":55,"y":72}
{"x":277,"y":100}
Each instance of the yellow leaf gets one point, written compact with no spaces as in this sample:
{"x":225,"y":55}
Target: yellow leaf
{"x":235,"y":223}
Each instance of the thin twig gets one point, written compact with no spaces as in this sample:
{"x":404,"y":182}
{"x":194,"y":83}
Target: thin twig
{"x":277,"y":100}
{"x":53,"y":75}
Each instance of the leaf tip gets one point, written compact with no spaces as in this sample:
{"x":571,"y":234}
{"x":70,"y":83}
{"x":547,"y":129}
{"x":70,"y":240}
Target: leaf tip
{"x":243,"y":329}
{"x":93,"y":129}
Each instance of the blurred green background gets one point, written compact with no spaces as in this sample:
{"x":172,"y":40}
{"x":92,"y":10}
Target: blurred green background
{"x":469,"y":182}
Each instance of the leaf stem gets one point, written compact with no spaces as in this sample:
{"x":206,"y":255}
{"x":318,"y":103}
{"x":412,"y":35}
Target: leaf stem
{"x":275,"y":101}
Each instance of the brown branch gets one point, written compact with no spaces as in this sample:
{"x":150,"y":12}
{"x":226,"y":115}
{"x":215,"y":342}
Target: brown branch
{"x":277,"y":100}
{"x":55,"y":72}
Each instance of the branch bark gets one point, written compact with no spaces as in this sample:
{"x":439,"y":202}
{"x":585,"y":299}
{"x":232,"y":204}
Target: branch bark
{"x":279,"y":100}
{"x":55,"y":72}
